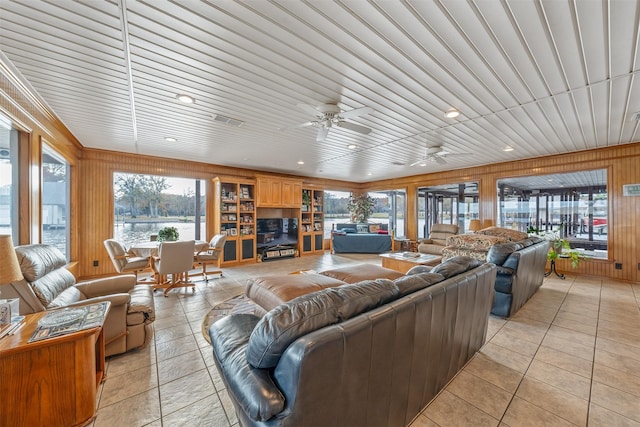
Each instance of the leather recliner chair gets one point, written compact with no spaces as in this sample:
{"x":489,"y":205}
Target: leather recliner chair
{"x":48,"y":285}
{"x":437,"y":239}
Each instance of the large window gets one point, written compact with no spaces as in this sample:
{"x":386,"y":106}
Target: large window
{"x":335,"y":209}
{"x":572,"y":205}
{"x":447,"y":204}
{"x":8,"y":179}
{"x":390,"y":208}
{"x":146,"y":203}
{"x":55,"y":199}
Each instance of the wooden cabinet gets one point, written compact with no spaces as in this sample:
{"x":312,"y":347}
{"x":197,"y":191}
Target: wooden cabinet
{"x":312,"y":220}
{"x":52,"y":382}
{"x":235,"y":208}
{"x":278,"y":192}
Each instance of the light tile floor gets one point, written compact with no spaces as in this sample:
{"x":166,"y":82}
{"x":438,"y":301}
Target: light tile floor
{"x":570,"y":356}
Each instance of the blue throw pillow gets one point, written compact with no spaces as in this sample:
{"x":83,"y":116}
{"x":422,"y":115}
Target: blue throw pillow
{"x":348,"y":230}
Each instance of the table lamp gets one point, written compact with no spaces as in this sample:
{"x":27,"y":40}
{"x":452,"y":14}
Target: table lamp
{"x":10,"y":271}
{"x":475,"y":225}
{"x":488,"y":223}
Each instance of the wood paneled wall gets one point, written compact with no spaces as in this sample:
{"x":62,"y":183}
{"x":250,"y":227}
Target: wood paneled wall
{"x":623,"y":165}
{"x":92,"y":187}
{"x":96,"y":195}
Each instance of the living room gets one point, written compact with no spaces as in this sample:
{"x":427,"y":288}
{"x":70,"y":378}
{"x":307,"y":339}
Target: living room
{"x":27,"y":107}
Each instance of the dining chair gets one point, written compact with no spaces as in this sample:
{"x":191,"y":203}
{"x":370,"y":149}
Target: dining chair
{"x":124,"y":261}
{"x":210,"y":255}
{"x":174,"y":259}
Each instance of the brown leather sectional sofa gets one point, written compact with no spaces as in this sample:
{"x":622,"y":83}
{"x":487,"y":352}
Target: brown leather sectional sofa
{"x":373,"y":353}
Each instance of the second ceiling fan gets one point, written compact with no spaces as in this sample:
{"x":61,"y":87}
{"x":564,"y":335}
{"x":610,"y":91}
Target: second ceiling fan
{"x":329,"y":115}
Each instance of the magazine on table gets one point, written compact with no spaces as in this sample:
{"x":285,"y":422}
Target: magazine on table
{"x":68,"y":320}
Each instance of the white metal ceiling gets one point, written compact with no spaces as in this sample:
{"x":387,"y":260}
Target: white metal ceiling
{"x":543,"y":77}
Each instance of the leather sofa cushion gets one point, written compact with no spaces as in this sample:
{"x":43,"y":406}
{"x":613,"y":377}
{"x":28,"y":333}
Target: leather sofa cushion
{"x":360,"y":272}
{"x":504,"y":283}
{"x":414,"y":282}
{"x":37,"y":261}
{"x":67,"y":297}
{"x":141,"y":306}
{"x":430,"y":248}
{"x":287,"y":322}
{"x":456,"y":265}
{"x":49,"y":287}
{"x":271,"y":291}
{"x":251,"y":389}
{"x":499,"y":253}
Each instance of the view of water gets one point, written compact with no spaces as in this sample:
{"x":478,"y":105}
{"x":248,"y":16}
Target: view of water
{"x":132,"y":232}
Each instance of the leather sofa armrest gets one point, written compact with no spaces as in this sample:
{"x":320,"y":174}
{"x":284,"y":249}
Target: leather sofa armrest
{"x":114,"y":299}
{"x":504,"y":270}
{"x":108,"y":285}
{"x":513,"y":261}
{"x":426,"y":241}
{"x":253,"y":389}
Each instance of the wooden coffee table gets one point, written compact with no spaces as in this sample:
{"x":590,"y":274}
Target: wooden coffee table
{"x":404,"y":261}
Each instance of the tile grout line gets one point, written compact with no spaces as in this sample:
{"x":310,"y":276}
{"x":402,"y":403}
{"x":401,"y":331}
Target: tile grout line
{"x":533,"y":358}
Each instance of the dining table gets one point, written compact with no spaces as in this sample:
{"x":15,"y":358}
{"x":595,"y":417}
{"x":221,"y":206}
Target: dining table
{"x":149,"y":249}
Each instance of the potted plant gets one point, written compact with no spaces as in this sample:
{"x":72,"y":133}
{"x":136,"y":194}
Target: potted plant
{"x":562,"y":246}
{"x":306,"y":201}
{"x":168,"y":234}
{"x":360,"y":207}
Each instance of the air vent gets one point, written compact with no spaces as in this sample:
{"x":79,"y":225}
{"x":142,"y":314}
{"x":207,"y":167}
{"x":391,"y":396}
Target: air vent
{"x":228,"y":120}
{"x":398,"y":163}
{"x":636,"y":116}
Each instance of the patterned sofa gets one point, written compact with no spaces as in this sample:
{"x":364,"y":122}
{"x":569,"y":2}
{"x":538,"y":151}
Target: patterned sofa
{"x":520,"y":260}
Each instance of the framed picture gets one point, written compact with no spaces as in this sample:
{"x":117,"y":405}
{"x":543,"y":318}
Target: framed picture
{"x":233,"y":231}
{"x":373,"y":228}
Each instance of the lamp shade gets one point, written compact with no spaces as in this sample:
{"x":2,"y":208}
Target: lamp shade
{"x":475,"y":225}
{"x":10,"y":271}
{"x":488,"y":223}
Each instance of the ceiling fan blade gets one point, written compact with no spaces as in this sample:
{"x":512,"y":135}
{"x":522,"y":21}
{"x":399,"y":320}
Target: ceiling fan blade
{"x":419,"y":162}
{"x":322,"y":134}
{"x":356,"y":113}
{"x":309,"y":109}
{"x":305,"y":124}
{"x":301,"y":125}
{"x":440,"y":160}
{"x":353,"y":127}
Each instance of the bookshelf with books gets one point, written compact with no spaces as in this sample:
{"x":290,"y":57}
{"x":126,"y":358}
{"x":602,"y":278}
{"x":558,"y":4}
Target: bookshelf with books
{"x":235,"y":204}
{"x":312,"y":221}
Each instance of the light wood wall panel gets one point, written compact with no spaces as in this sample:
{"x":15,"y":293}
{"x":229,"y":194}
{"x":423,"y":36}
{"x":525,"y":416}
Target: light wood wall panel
{"x":623,"y":165}
{"x":92,"y":188}
{"x":96,"y":197}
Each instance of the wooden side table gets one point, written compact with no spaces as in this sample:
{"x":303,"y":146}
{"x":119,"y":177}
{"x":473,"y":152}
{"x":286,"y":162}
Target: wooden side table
{"x":52,"y":382}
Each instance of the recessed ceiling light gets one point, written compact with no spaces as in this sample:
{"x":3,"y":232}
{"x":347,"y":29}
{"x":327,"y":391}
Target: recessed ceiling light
{"x":186,"y":99}
{"x":352,"y":146}
{"x":422,"y":164}
{"x":170,"y":139}
{"x":452,"y":114}
{"x":369,"y":174}
{"x":508,"y":148}
{"x":300,"y":162}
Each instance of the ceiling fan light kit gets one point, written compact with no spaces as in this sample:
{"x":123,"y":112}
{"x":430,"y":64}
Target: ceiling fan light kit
{"x":330,"y":115}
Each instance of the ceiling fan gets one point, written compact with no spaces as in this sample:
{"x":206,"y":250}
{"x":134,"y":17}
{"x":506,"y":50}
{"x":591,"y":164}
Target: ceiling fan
{"x":435,"y":154}
{"x":329,"y":115}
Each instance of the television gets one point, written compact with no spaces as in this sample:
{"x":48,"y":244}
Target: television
{"x":276,"y":232}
